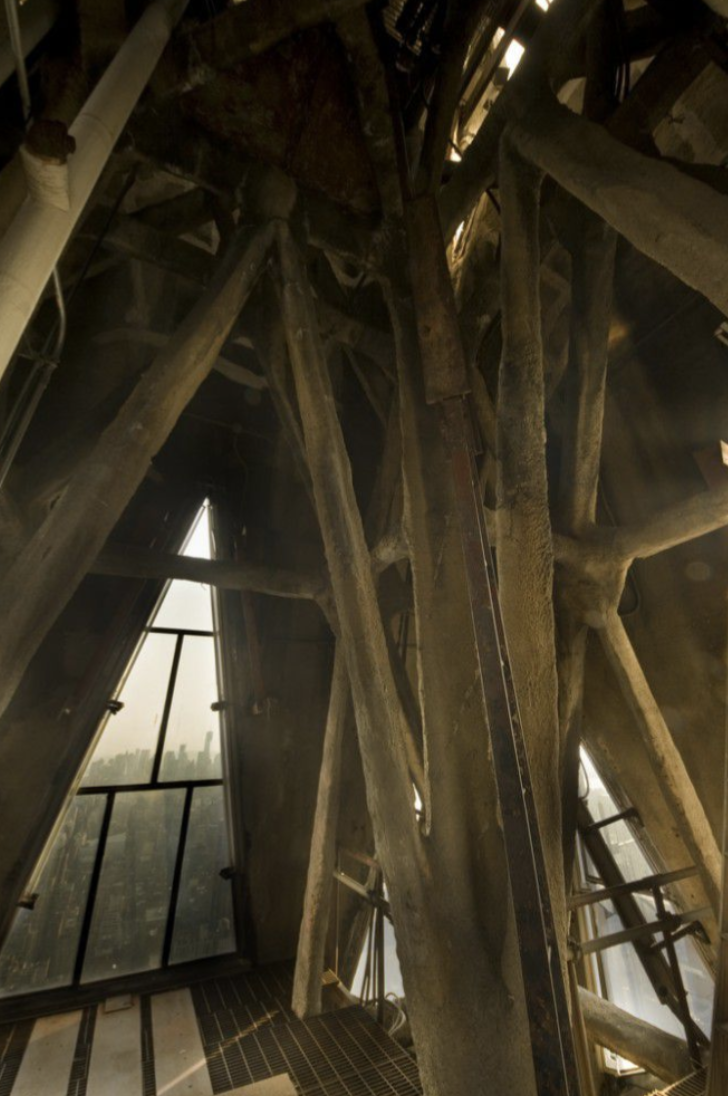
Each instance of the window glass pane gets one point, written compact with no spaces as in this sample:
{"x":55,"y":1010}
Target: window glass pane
{"x":185,"y":605}
{"x":626,"y":851}
{"x":125,"y":752}
{"x":198,"y":541}
{"x":40,"y":951}
{"x":620,"y":838}
{"x":188,"y":604}
{"x":698,"y":983}
{"x":132,"y":902}
{"x":627,"y":985}
{"x":204,"y":918}
{"x":192,"y":742}
{"x":392,"y":971}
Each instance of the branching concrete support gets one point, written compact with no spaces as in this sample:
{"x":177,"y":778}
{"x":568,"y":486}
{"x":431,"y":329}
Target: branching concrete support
{"x":37,"y":587}
{"x":677,"y":787}
{"x":700,"y":514}
{"x":524,"y":539}
{"x":453,"y":980}
{"x":664,"y":1055}
{"x":675,"y":220}
{"x":592,"y":570}
{"x":317,"y":900}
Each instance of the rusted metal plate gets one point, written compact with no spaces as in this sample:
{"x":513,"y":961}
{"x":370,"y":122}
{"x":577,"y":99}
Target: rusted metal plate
{"x":294,"y":107}
{"x":446,"y":373}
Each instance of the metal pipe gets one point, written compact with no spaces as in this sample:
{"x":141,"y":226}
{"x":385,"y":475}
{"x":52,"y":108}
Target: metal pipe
{"x":38,"y":234}
{"x":36,"y":19}
{"x":16,"y":45}
{"x":40,"y":378}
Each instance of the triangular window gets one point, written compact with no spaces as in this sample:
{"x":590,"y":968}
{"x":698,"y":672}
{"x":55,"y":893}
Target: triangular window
{"x":131,"y":881}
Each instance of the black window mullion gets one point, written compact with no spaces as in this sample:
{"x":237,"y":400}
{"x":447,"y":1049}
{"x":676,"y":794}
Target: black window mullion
{"x":93,"y":888}
{"x":179,"y":632}
{"x":118,"y":789}
{"x":167,"y":708}
{"x":177,"y":877}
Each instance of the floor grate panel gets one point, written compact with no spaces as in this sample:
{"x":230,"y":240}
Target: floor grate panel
{"x":149,"y":1073}
{"x":250,"y":1034}
{"x":694,"y":1085}
{"x":14,"y":1039}
{"x":78,"y":1082}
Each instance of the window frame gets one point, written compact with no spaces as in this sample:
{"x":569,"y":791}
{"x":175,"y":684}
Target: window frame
{"x":34,"y":1001}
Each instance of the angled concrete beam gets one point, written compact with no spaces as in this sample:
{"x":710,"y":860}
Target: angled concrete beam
{"x":700,"y":514}
{"x":678,"y":221}
{"x":677,"y":787}
{"x":322,"y":861}
{"x":610,"y":1026}
{"x":131,"y":562}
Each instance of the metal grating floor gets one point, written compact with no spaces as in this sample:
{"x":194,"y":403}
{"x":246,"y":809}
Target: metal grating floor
{"x":694,"y":1085}
{"x":13,"y":1041}
{"x":250,"y":1034}
{"x":78,"y":1083}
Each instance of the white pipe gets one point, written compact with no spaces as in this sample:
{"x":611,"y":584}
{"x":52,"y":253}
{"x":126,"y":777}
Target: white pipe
{"x":35,"y":239}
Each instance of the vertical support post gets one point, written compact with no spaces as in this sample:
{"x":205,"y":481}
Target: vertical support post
{"x":548,"y":1013}
{"x":446,"y":383}
{"x":317,"y":899}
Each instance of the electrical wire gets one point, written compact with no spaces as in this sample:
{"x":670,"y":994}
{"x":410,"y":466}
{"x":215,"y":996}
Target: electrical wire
{"x":400,"y":1018}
